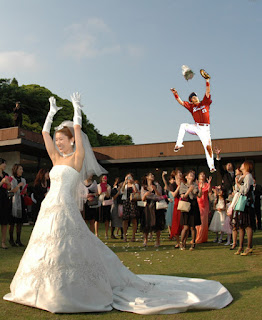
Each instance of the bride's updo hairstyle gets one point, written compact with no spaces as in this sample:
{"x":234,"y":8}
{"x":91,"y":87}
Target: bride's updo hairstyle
{"x":66,"y":132}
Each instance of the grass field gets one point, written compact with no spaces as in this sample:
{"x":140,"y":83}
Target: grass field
{"x":242,"y":276}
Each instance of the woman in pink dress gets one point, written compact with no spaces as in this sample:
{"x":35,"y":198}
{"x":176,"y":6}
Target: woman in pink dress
{"x":203,"y":203}
{"x":176,"y":227}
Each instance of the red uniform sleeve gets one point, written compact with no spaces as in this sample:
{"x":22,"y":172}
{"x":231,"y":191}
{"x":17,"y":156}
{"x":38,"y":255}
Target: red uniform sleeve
{"x":206,"y":101}
{"x":188,"y":106}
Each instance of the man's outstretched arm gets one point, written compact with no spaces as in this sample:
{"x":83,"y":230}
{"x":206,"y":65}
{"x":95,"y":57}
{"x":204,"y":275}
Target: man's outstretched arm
{"x":179,"y":100}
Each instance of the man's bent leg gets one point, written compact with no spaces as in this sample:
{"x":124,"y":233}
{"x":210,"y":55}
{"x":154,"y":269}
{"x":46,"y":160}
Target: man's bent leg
{"x":185,"y":127}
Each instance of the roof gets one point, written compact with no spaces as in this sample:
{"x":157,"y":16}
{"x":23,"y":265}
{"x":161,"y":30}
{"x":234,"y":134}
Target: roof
{"x":15,"y":137}
{"x":232,"y":147}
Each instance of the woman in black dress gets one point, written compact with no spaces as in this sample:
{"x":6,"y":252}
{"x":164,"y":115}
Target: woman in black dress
{"x":189,"y":192}
{"x":130,"y":210}
{"x":244,"y":221}
{"x":92,"y":205}
{"x":41,"y":187}
{"x":5,"y":185}
{"x":18,"y":185}
{"x":104,"y":192}
{"x":151,"y":219}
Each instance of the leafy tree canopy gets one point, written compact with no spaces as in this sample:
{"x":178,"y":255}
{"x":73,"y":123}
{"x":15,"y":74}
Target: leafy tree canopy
{"x":35,"y":106}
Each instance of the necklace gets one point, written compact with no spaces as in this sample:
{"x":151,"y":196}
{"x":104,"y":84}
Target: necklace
{"x":65,"y":155}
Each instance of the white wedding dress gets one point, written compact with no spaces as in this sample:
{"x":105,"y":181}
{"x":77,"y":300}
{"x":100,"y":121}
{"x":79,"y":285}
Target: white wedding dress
{"x":67,"y":269}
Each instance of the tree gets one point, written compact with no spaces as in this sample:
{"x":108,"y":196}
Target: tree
{"x":14,"y":82}
{"x":35,"y":106}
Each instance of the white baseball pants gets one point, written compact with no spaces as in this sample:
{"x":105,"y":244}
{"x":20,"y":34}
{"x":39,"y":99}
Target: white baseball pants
{"x":203,"y":132}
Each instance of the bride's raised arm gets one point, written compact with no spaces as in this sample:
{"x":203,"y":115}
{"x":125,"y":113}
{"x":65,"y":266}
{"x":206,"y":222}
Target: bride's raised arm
{"x":80,"y":152}
{"x":49,"y":144}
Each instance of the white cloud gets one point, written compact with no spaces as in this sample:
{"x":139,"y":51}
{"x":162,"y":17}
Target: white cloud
{"x":89,"y":40}
{"x":13,"y":61}
{"x":94,"y":38}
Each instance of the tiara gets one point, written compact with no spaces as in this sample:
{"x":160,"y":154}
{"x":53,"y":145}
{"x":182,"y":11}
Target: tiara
{"x":60,"y":127}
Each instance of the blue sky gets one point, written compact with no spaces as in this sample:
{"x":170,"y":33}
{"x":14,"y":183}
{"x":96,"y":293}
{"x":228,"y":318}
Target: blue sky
{"x":125,"y":55}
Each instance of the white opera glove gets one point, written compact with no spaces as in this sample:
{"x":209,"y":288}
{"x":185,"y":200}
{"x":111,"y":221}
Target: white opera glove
{"x":49,"y":118}
{"x":76,"y":98}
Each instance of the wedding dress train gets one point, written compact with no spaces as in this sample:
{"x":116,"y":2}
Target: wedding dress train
{"x":67,"y":269}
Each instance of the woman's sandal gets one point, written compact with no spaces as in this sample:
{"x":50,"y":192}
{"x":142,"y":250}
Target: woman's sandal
{"x":239,"y":251}
{"x":182,"y":247}
{"x":247,"y":252}
{"x":4,"y":246}
{"x":193,"y":246}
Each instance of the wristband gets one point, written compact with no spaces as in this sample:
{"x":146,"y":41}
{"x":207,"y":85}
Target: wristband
{"x":176,"y":96}
{"x":207,"y":84}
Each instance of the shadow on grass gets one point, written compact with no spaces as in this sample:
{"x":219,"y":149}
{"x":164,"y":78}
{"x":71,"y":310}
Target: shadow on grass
{"x":207,"y":275}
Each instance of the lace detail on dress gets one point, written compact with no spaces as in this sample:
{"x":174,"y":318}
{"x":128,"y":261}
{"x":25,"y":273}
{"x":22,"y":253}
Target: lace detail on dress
{"x":134,"y":282}
{"x":85,"y":274}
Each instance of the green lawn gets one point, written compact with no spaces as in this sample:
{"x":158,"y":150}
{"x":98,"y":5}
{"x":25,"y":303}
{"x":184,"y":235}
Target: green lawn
{"x":240,"y":275}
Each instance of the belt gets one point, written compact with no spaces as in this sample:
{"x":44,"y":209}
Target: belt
{"x":203,"y":124}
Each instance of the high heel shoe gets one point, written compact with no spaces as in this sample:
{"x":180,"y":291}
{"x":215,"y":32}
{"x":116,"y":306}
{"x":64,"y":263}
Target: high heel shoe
{"x":4,"y":246}
{"x":192,"y":247}
{"x":233,"y":247}
{"x":157,"y":244}
{"x":12,"y":243}
{"x":19,"y":243}
{"x":247,"y":252}
{"x":182,"y":247}
{"x":239,"y":251}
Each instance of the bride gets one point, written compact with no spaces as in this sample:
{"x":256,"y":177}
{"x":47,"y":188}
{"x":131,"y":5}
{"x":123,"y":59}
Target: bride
{"x":67,"y":269}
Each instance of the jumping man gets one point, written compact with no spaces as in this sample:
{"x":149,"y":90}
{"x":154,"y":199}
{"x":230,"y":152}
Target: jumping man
{"x":200,"y":113}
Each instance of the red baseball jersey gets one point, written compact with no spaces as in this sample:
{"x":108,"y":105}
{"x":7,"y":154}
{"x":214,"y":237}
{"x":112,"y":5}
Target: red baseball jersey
{"x":200,"y":112}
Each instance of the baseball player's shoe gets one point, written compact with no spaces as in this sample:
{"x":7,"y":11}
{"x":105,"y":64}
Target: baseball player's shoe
{"x":212,"y":170}
{"x":177,"y":148}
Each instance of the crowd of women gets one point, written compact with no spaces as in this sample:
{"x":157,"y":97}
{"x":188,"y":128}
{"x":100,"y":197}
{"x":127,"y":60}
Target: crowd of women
{"x":186,"y":205}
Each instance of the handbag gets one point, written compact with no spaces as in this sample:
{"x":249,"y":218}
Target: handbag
{"x":241,"y":204}
{"x":135,"y":196}
{"x":28,"y":201}
{"x":233,"y":204}
{"x":161,"y":205}
{"x":107,"y":202}
{"x":93,"y":201}
{"x":184,"y":206}
{"x":141,"y":204}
